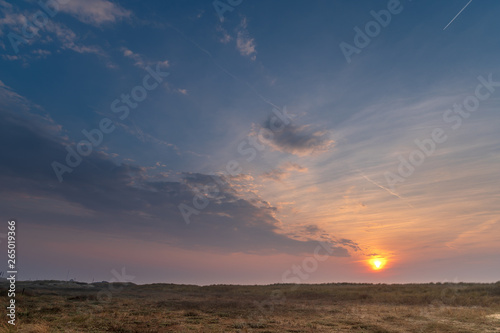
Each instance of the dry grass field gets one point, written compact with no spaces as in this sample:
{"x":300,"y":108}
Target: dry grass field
{"x":52,"y":306}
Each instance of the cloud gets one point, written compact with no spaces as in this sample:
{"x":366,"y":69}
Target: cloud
{"x":244,"y":43}
{"x":9,"y":98}
{"x":5,"y":4}
{"x":145,"y":137}
{"x":11,"y":18}
{"x":95,"y":12}
{"x":226,"y":37}
{"x":283,"y":172}
{"x":164,"y":64}
{"x":22,"y":108}
{"x":311,"y":229}
{"x":299,"y":140}
{"x":142,"y":206}
{"x":139,"y":62}
{"x":475,"y":236}
{"x":41,"y":53}
{"x":139,"y":59}
{"x":14,"y":20}
{"x":69,"y":39}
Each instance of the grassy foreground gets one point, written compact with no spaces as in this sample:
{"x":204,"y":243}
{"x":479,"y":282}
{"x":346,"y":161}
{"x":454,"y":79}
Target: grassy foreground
{"x":53,"y":306}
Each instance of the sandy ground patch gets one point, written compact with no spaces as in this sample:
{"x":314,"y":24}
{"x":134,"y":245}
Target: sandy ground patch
{"x":494,"y":316}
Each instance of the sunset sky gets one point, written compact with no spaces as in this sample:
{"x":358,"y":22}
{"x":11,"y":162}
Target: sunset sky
{"x":230,"y":140}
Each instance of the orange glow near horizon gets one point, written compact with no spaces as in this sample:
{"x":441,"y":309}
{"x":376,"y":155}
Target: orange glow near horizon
{"x":377,"y":263}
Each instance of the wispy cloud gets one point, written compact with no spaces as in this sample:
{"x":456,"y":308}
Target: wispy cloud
{"x":95,"y":12}
{"x":140,"y":61}
{"x":17,"y":107}
{"x":244,"y":42}
{"x":69,"y":39}
{"x":225,"y":37}
{"x":476,"y":235}
{"x":52,"y":33}
{"x":283,"y":172}
{"x":142,"y":136}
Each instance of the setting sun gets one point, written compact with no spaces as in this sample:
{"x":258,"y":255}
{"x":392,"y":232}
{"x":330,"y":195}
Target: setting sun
{"x":377,"y":263}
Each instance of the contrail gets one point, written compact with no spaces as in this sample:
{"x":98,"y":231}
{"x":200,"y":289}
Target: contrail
{"x":384,"y":188}
{"x":458,"y":14}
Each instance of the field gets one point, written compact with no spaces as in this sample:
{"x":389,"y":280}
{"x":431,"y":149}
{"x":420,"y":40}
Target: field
{"x":54,"y":306}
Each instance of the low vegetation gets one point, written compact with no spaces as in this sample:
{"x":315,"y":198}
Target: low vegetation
{"x":54,"y":306}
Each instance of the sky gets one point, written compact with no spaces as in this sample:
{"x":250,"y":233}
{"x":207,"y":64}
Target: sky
{"x":251,"y":142}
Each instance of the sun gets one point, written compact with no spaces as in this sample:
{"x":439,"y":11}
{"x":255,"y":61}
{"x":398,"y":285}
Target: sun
{"x":377,"y":263}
